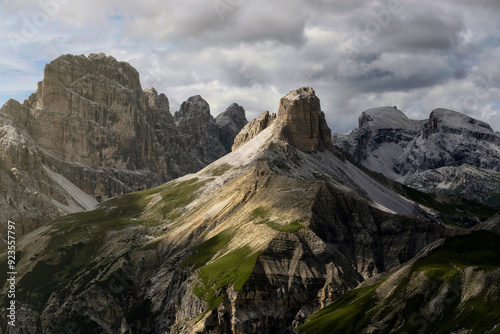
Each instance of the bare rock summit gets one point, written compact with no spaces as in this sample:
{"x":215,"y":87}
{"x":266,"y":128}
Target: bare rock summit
{"x":89,"y":133}
{"x":230,"y":123}
{"x":302,"y":123}
{"x":448,"y":153}
{"x":253,"y":128}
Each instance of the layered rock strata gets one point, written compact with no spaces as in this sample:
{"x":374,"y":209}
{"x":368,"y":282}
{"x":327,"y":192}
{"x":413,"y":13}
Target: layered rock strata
{"x":90,"y":132}
{"x":303,"y":122}
{"x":449,"y":152}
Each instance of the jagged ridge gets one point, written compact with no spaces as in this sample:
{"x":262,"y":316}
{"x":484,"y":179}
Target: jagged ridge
{"x":90,"y":127}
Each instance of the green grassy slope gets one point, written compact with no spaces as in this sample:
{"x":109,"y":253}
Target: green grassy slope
{"x":440,"y":306}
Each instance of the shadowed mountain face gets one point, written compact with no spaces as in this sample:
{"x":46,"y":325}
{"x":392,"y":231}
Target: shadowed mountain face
{"x":451,"y":287}
{"x":90,"y":133}
{"x":230,"y":123}
{"x":255,"y":242}
{"x":450,"y":153}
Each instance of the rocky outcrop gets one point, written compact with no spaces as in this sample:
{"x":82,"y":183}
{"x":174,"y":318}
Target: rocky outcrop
{"x":468,"y":181}
{"x":230,"y":123}
{"x":382,"y":136}
{"x":197,"y":139}
{"x":449,"y":153}
{"x":303,"y":123}
{"x":300,"y":122}
{"x":453,"y":281}
{"x":253,"y":128}
{"x":90,"y":131}
{"x":449,"y":139}
{"x":92,"y":110}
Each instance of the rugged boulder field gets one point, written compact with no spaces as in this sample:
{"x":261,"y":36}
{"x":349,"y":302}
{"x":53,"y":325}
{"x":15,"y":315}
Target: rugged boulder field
{"x":282,"y":227}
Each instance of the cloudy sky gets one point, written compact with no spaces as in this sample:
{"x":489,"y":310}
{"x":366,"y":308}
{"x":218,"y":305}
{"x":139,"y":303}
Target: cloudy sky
{"x":417,"y":55}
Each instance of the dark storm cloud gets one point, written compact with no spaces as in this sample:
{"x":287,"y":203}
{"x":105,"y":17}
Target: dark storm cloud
{"x":338,"y":6}
{"x":422,"y":32}
{"x":407,"y":50}
{"x":356,"y":54}
{"x":402,"y":72}
{"x":208,"y":23}
{"x":382,"y":80}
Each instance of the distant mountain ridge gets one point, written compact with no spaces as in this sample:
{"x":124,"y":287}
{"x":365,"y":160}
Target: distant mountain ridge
{"x":90,"y":132}
{"x":450,"y":152}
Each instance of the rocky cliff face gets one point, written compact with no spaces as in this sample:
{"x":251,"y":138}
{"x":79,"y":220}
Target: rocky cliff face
{"x":303,"y":122}
{"x":255,"y":242}
{"x":451,"y":287}
{"x":300,"y":122}
{"x":382,"y":136}
{"x":452,"y":139}
{"x":230,"y":123}
{"x":430,"y":155}
{"x":253,"y":128}
{"x":197,"y":138}
{"x":469,"y":181}
{"x":90,"y":133}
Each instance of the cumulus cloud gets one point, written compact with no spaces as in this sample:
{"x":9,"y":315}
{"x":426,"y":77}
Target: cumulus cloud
{"x":356,"y":54}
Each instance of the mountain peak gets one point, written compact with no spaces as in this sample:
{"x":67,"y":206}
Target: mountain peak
{"x":195,"y":106}
{"x":448,"y":119}
{"x":234,"y":115}
{"x":253,"y":128}
{"x":230,"y":123}
{"x":68,"y":68}
{"x":302,"y":123}
{"x":90,"y":132}
{"x":386,"y":117}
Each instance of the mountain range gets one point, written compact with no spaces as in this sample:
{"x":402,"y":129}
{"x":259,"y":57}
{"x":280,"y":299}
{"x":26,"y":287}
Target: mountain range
{"x":294,"y":230}
{"x":90,"y":132}
{"x":450,"y":153}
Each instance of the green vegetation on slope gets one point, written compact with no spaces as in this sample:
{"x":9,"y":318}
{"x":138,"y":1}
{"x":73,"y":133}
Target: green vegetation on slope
{"x":293,"y":227}
{"x":480,"y":249}
{"x":233,"y":268}
{"x":454,"y":205}
{"x":207,"y":250}
{"x":357,"y":309}
{"x":175,"y":196}
{"x":76,"y":239}
{"x":46,"y":278}
{"x":221,"y":170}
{"x":261,"y":215}
{"x":346,"y":315}
{"x":89,"y":227}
